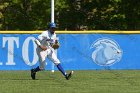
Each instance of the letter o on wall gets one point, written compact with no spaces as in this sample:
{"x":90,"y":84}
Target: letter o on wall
{"x":25,"y":53}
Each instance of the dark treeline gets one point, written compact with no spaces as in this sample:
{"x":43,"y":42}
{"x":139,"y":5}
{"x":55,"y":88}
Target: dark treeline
{"x":70,"y":14}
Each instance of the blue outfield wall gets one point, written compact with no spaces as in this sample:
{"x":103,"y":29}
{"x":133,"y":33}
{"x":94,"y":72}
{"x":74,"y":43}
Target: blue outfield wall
{"x":17,"y":51}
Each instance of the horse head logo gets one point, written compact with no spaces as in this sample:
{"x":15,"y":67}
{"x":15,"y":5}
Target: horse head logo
{"x":107,"y":52}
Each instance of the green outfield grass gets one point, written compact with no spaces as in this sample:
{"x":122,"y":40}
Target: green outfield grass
{"x":96,"y":81}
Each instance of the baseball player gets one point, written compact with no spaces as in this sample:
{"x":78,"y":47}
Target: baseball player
{"x":46,"y":43}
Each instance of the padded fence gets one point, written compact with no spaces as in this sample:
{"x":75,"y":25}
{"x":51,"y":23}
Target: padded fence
{"x":78,"y":50}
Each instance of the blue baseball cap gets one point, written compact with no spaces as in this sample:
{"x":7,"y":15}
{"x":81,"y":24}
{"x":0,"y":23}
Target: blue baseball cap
{"x":52,"y":25}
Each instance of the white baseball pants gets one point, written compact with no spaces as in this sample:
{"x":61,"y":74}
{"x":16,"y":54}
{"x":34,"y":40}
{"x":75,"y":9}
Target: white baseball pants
{"x":49,"y":53}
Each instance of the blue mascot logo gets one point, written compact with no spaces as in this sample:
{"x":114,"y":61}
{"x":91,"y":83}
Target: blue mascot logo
{"x":107,"y":52}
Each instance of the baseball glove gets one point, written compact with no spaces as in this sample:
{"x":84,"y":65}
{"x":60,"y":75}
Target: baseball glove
{"x":55,"y":46}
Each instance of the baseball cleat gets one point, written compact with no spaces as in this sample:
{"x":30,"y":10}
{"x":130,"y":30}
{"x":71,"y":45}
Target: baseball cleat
{"x":33,"y":73}
{"x":68,"y":76}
